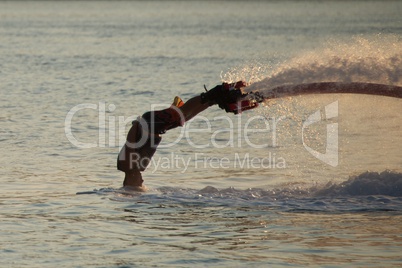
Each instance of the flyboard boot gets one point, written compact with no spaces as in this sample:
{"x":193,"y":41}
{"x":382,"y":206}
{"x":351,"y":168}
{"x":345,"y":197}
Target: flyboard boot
{"x":231,"y":98}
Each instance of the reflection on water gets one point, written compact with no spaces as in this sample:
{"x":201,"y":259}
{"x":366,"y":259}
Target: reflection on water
{"x":181,"y":227}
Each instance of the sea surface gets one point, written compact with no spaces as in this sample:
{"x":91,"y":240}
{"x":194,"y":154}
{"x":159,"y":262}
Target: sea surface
{"x":271,"y":187}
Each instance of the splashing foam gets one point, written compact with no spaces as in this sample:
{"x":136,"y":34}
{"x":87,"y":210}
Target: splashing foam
{"x":371,"y":60}
{"x":251,"y":72}
{"x":368,"y":183}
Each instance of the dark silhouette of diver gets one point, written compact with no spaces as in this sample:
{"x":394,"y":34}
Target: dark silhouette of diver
{"x":145,"y":133}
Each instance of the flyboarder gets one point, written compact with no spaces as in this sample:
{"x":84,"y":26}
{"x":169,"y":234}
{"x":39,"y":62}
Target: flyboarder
{"x":145,"y":133}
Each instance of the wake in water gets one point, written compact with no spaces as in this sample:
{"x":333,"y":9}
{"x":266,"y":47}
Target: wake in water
{"x":386,"y":183}
{"x":368,"y":183}
{"x":370,"y":191}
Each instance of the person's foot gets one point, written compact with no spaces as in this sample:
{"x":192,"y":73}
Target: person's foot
{"x":231,"y":98}
{"x":224,"y":94}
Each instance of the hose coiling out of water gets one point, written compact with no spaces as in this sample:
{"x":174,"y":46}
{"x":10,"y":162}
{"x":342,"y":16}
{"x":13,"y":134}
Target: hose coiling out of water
{"x":334,"y":87}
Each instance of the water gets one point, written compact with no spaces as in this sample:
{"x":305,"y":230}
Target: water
{"x":222,"y":191}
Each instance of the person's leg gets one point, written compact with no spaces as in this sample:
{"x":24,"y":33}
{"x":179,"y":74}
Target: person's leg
{"x":218,"y":95}
{"x":193,"y":107}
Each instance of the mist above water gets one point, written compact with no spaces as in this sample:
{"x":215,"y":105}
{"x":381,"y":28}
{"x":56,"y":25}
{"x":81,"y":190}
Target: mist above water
{"x":372,"y":60}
